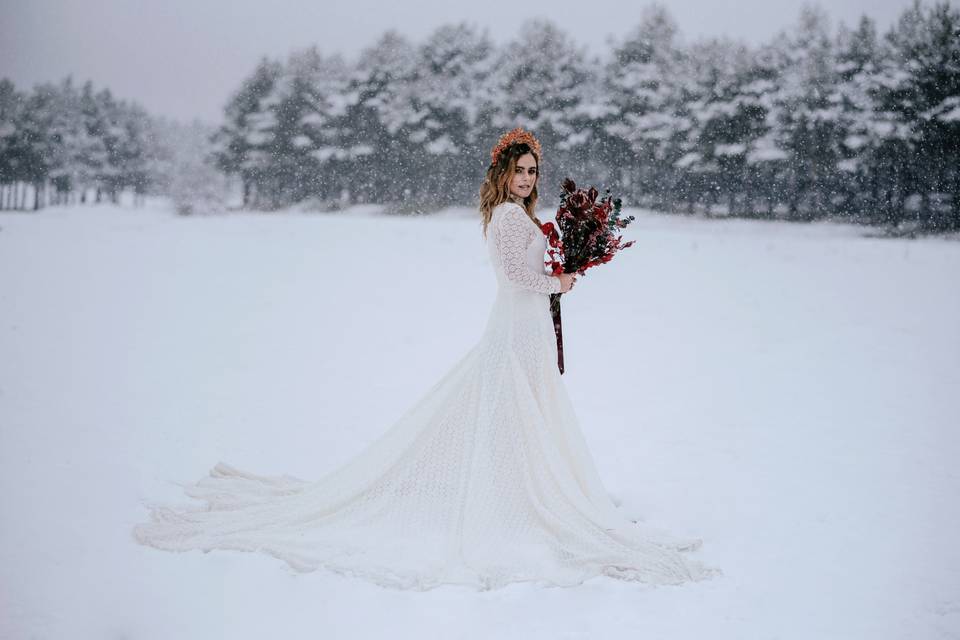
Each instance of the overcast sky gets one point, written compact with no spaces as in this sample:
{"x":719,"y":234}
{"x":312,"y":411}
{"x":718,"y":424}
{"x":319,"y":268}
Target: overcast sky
{"x":183,"y":58}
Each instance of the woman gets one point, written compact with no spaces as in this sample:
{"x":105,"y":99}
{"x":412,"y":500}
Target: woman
{"x":485,"y":481}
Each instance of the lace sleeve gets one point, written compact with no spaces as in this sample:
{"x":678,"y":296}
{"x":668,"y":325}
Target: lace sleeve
{"x":513,"y":234}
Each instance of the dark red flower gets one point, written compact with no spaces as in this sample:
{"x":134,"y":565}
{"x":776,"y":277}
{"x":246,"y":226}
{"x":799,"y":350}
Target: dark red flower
{"x":577,"y":201}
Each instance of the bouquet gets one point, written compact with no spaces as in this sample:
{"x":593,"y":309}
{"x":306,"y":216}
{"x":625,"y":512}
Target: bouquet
{"x":588,"y":235}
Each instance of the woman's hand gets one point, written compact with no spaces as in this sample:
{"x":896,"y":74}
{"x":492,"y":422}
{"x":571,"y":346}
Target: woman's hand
{"x":567,"y":281}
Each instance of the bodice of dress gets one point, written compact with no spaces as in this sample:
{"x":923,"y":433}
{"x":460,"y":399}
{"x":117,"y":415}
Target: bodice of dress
{"x":516,"y":248}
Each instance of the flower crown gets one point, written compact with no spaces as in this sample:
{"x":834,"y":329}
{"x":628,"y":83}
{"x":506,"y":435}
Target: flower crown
{"x":515,"y":136}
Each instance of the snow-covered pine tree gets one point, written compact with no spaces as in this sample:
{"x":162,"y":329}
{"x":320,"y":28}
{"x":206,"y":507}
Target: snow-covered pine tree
{"x":542,"y":81}
{"x":857,"y":59}
{"x":726,"y":115}
{"x":379,"y":121}
{"x":324,"y":80}
{"x":11,"y":102}
{"x":807,"y":116}
{"x":242,"y":142}
{"x":922,"y":87}
{"x":455,"y":66}
{"x":766,"y":162}
{"x":644,"y":116}
{"x":93,"y":151}
{"x":76,"y":152}
{"x":35,"y":147}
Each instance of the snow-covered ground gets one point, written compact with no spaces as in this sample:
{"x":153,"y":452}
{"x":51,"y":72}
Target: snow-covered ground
{"x":789,"y":393}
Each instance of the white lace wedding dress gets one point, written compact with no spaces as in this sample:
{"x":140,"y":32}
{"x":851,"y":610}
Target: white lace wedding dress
{"x":485,"y":481}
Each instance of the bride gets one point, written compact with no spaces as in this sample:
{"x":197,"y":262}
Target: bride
{"x":485,"y":481}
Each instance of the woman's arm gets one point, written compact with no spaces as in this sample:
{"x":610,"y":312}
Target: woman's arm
{"x":512,"y":234}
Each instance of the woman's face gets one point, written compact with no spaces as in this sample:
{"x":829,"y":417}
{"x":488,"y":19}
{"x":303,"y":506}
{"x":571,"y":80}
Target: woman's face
{"x":524,"y":176}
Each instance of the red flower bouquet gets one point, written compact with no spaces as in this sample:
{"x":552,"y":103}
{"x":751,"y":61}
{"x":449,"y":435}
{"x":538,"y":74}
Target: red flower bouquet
{"x":588,"y":236}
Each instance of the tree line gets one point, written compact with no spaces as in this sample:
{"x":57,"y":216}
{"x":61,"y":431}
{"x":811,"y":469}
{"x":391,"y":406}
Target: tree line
{"x":69,"y":144}
{"x":819,"y":121}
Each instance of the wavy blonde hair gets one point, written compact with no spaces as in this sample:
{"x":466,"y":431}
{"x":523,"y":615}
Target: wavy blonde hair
{"x":496,"y":184}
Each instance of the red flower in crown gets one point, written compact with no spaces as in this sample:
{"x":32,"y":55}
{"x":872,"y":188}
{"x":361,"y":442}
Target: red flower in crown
{"x":512,"y":137}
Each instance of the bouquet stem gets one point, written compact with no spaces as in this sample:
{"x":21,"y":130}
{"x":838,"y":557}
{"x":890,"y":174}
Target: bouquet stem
{"x":555,"y":313}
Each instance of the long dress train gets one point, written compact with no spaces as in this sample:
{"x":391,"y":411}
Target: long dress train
{"x":485,"y":481}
